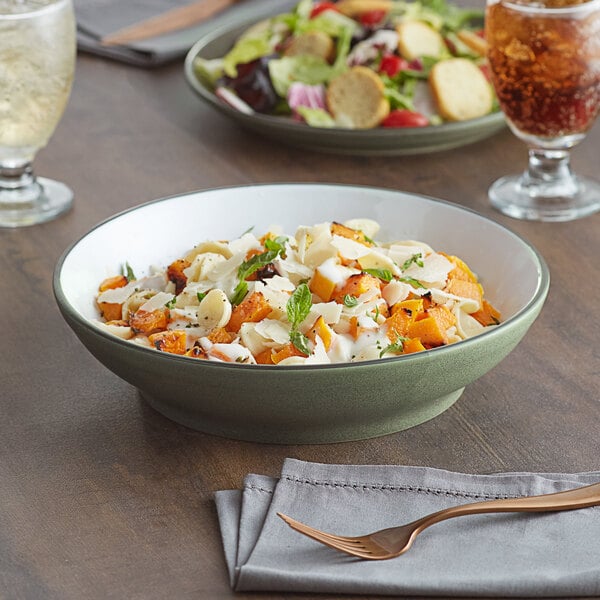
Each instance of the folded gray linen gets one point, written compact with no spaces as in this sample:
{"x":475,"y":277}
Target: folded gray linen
{"x":98,"y":18}
{"x":504,"y":555}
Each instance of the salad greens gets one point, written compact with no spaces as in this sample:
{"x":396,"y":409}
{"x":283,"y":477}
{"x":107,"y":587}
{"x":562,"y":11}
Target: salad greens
{"x":269,"y":79}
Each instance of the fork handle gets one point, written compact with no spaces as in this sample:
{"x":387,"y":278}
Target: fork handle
{"x":581,"y":497}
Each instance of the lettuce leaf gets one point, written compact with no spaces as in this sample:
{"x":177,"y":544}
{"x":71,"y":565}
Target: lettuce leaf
{"x":303,"y":67}
{"x":208,"y":71}
{"x":245,"y":51}
{"x":316,"y":117}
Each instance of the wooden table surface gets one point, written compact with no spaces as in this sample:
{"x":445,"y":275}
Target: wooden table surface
{"x":100,"y":496}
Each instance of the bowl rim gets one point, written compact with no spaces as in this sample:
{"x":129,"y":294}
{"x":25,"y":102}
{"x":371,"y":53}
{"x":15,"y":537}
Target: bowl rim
{"x":65,"y":306}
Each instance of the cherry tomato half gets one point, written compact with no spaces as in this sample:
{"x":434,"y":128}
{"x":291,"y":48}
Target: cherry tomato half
{"x":392,"y":64}
{"x":485,"y":69}
{"x":322,"y":7}
{"x":372,"y":17}
{"x":405,"y":118}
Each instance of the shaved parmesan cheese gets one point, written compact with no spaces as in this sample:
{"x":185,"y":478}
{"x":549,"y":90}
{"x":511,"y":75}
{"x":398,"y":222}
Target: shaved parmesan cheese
{"x":466,"y":304}
{"x":396,"y":291}
{"x":275,"y":331}
{"x":377,"y":260}
{"x":244,"y":244}
{"x":335,"y":272}
{"x":367,"y":226}
{"x":159,"y":300}
{"x":202,"y":265}
{"x":400,"y":252}
{"x":435,"y":269}
{"x":349,"y":248}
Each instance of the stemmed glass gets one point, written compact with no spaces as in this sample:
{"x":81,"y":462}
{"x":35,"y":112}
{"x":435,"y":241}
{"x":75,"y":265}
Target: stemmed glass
{"x":544,"y":57}
{"x":37,"y":60}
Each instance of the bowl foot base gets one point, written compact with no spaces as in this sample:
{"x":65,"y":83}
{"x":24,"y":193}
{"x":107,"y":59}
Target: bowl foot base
{"x":337,"y":430}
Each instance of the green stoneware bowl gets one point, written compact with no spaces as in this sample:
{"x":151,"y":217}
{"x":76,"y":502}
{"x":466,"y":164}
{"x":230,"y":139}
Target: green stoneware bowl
{"x":367,"y":142}
{"x":301,"y":404}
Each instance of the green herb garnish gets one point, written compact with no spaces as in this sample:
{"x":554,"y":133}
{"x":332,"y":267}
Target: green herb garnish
{"x":416,"y":259}
{"x":380,"y":273}
{"x":350,"y":300}
{"x":297,"y":309}
{"x":201,"y":296}
{"x":276,"y":245}
{"x":256,"y":262}
{"x":397,"y":346}
{"x":171,"y":303}
{"x":412,"y":281}
{"x":239,"y":292}
{"x":300,"y":342}
{"x":299,"y":305}
{"x":128,"y":272}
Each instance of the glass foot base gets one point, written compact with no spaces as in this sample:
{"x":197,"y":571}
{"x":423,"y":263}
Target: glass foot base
{"x":510,"y":196}
{"x":19,"y":210}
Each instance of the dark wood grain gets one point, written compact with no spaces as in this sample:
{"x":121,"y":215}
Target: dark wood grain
{"x":101,"y":497}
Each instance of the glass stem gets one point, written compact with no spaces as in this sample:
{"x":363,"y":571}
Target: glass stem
{"x":18,"y":185}
{"x":549,"y":174}
{"x":13,"y":178}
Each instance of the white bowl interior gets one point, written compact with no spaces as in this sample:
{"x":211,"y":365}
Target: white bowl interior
{"x":159,"y":232}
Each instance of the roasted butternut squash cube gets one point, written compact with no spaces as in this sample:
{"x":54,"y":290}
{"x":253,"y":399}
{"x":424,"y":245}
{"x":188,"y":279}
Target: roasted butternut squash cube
{"x":356,"y":285}
{"x":252,"y":309}
{"x":265,"y":357}
{"x":286,"y":352}
{"x":111,"y":283}
{"x":176,"y":275}
{"x":196,"y":352}
{"x":465,"y":289}
{"x":149,"y":322}
{"x":173,"y":341}
{"x":428,"y":330}
{"x":398,"y":324}
{"x":412,"y":345}
{"x":220,"y":335}
{"x":461,"y":270}
{"x":321,"y":329}
{"x":414,"y":306}
{"x":487,"y":314}
{"x":351,"y":234}
{"x":443,"y":316}
{"x":321,"y":286}
{"x":111,"y":311}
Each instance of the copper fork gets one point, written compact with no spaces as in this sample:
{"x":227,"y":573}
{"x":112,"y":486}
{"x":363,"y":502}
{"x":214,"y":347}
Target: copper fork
{"x":392,"y":542}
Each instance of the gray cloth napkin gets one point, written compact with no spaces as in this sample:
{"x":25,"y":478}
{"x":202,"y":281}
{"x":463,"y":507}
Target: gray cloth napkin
{"x":97,"y":18}
{"x":505,"y":555}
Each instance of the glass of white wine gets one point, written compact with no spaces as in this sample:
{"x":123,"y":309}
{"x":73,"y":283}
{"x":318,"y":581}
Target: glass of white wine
{"x":37,"y":62}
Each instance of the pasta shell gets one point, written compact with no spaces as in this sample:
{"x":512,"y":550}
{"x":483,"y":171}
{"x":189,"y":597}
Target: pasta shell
{"x":367,"y":226}
{"x":213,"y":247}
{"x":214,"y":311}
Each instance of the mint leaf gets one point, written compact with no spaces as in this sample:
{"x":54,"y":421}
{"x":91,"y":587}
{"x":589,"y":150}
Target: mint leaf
{"x":128,"y":272}
{"x":380,"y":273}
{"x":412,"y":281}
{"x":256,"y":262}
{"x":298,"y":306}
{"x":300,"y":342}
{"x":239,"y":293}
{"x":276,"y":245}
